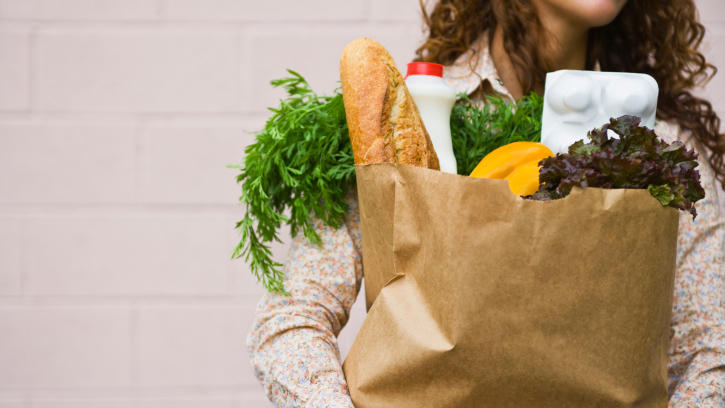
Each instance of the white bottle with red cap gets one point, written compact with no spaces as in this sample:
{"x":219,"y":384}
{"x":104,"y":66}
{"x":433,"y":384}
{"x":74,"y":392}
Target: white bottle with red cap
{"x":435,"y":100}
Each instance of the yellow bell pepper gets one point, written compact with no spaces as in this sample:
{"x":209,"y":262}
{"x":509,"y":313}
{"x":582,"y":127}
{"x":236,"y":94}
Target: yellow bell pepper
{"x":525,"y":179}
{"x":516,"y":162}
{"x":501,"y":162}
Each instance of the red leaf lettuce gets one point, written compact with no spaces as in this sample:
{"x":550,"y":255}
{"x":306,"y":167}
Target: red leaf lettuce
{"x":638,"y":159}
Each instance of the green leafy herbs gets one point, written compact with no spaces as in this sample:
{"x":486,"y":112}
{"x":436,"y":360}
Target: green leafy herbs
{"x":477,"y":131}
{"x":638,"y":159}
{"x":302,"y":163}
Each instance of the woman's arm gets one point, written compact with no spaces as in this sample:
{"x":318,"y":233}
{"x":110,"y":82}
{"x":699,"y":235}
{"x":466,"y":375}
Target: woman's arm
{"x":697,"y":344}
{"x":293,"y":342}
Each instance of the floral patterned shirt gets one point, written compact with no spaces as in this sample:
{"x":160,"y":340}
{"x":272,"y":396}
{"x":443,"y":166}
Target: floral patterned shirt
{"x":293,"y":342}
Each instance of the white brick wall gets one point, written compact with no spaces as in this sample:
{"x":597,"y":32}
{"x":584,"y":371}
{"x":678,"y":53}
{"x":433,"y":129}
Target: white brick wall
{"x":65,"y":346}
{"x":137,"y":70}
{"x":71,"y":10}
{"x":14,"y":70}
{"x":265,"y":11}
{"x":117,"y":121}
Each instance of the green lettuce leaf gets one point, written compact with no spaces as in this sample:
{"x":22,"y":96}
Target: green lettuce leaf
{"x":662,"y":193}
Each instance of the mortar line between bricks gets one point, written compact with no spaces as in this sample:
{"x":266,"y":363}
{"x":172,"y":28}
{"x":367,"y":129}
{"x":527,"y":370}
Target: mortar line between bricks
{"x":153,"y":119}
{"x":80,"y":25}
{"x":183,"y":398}
{"x":32,"y":70}
{"x":240,"y":53}
{"x":128,"y":300}
{"x":134,"y":114}
{"x":86,"y":399}
{"x":139,"y":391}
{"x":245,"y":77}
{"x":232,"y":273}
{"x":133,"y":346}
{"x":32,"y":209}
{"x":255,"y":28}
{"x":139,"y":164}
{"x":24,"y":278}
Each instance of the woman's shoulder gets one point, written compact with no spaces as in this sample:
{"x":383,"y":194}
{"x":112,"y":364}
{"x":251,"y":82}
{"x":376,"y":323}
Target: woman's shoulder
{"x":671,"y":131}
{"x":474,"y":69}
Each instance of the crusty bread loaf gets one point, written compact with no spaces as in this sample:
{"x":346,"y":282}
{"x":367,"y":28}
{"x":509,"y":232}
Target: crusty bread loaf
{"x":384,"y":123}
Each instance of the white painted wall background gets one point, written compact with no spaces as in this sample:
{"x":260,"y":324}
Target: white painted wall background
{"x":117,"y":119}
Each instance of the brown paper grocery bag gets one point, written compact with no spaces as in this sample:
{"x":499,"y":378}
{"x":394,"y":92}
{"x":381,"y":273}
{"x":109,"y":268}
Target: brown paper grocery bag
{"x":483,"y":299}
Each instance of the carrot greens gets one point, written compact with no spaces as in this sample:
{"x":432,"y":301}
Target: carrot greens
{"x":302,"y":164}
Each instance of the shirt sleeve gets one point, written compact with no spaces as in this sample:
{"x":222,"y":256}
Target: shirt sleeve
{"x":696,"y":367}
{"x":293,"y":342}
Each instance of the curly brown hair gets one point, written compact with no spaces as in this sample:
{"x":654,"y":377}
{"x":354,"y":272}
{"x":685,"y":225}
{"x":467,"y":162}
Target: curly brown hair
{"x":659,"y":38}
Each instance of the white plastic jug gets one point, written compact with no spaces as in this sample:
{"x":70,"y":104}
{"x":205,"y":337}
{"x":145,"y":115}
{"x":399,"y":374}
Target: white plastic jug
{"x":576,"y":102}
{"x":434,"y":99}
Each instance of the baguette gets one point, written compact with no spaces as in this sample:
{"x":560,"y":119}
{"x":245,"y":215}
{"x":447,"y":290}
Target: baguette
{"x":384,"y":123}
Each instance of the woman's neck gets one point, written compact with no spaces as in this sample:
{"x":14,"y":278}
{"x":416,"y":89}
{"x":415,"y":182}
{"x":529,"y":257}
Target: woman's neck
{"x":565,"y":47}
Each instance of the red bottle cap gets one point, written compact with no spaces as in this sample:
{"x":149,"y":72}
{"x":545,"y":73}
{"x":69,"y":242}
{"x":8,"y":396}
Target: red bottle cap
{"x":425,"y":68}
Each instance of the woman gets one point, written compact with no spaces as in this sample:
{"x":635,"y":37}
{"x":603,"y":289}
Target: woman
{"x":506,"y":47}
